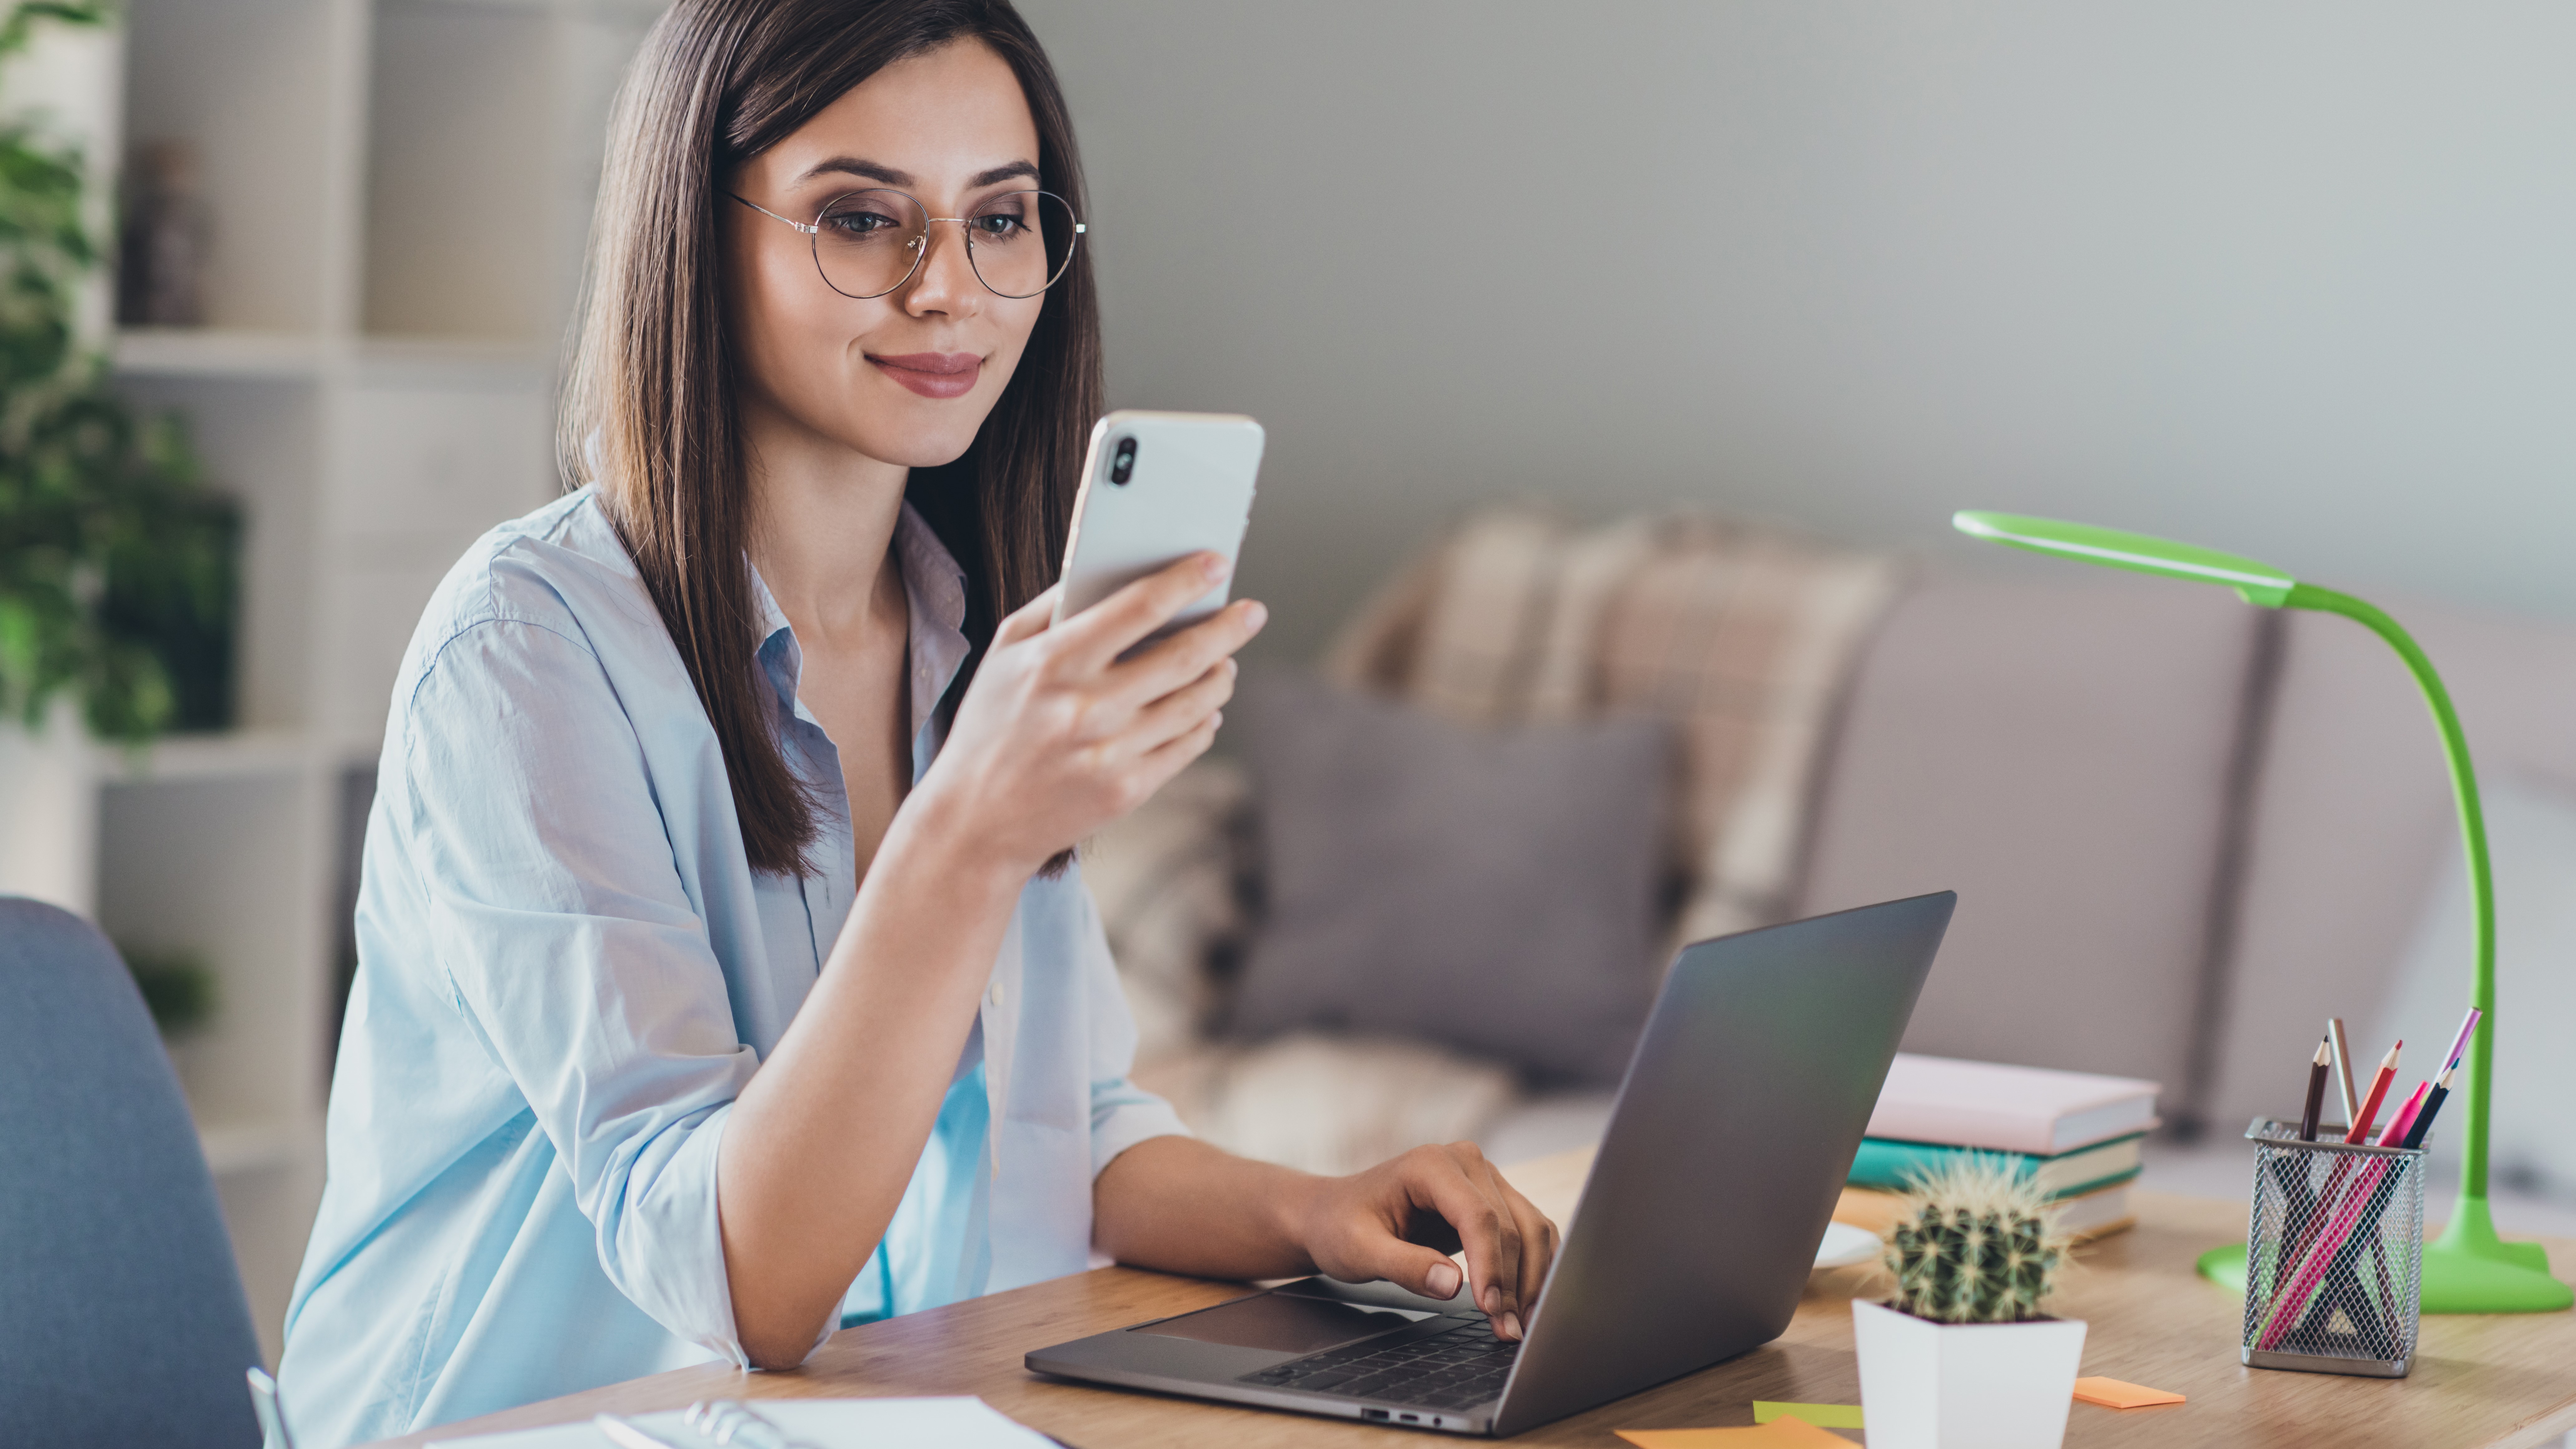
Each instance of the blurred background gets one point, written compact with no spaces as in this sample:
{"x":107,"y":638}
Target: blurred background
{"x":2284,"y":278}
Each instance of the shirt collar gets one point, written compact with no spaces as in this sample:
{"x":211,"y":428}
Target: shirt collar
{"x":934,"y":590}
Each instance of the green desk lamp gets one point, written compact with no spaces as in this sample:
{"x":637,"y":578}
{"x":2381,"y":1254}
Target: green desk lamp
{"x":2468,"y":1269}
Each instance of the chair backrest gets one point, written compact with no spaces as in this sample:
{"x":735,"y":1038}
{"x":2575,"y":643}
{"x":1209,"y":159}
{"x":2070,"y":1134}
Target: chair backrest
{"x":122,"y":1319}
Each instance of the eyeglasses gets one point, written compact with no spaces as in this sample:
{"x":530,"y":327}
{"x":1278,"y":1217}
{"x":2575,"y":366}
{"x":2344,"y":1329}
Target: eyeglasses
{"x":867,"y":243}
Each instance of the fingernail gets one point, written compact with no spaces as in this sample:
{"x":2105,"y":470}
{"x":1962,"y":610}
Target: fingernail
{"x":1258,"y":614}
{"x":1213,"y":565}
{"x":1443,"y":1280}
{"x":1493,"y":1300}
{"x":1511,"y":1325}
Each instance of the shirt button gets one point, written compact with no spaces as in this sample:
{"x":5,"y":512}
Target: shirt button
{"x":996,"y":993}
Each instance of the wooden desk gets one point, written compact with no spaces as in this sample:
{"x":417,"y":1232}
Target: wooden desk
{"x":2506,"y":1381}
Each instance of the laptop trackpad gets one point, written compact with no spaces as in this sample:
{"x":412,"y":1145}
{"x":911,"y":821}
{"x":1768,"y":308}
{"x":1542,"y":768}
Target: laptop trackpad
{"x":1282,"y":1324}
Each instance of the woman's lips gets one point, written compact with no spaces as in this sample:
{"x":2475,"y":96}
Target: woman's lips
{"x":933,"y":374}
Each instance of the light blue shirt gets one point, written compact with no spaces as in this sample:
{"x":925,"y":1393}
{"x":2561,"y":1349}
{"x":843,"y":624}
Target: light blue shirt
{"x":568,"y":971}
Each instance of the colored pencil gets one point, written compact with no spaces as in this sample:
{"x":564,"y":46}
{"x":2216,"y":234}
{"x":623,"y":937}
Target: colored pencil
{"x":2354,"y":1219}
{"x":2423,"y":1124}
{"x":2460,"y":1043}
{"x":2343,"y":1069}
{"x":2379,"y":1081}
{"x":2316,"y":1091}
{"x":2395,"y":1132}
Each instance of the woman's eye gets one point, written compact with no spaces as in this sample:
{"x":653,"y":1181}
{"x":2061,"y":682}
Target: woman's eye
{"x":858,"y":223}
{"x":999,"y":227}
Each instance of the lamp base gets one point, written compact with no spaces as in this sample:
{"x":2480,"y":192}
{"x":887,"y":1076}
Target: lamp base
{"x":2466,"y":1270}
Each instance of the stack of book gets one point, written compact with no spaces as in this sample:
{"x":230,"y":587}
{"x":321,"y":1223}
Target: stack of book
{"x":2074,"y":1133}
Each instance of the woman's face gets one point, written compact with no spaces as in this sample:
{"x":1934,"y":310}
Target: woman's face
{"x":905,"y":378}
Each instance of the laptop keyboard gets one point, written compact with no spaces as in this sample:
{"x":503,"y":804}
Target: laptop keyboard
{"x":1454,"y":1370}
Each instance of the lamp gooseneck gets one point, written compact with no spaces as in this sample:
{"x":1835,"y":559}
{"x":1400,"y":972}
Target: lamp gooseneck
{"x":2473,"y":847}
{"x":2469,"y":1269}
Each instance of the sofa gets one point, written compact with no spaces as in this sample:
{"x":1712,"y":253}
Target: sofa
{"x":2183,"y":831}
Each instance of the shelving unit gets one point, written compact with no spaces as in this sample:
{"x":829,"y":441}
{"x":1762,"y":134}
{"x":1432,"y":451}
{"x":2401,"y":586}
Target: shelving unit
{"x":401,"y":189}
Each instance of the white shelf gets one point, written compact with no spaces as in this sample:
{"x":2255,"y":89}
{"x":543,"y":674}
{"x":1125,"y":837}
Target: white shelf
{"x":237,"y":755}
{"x":216,"y":352}
{"x":234,"y":1148}
{"x":250,"y":353}
{"x":393,"y":358}
{"x":399,"y":193}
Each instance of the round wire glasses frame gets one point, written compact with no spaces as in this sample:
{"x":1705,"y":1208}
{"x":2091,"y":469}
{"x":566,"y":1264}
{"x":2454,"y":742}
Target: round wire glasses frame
{"x":870,"y":242}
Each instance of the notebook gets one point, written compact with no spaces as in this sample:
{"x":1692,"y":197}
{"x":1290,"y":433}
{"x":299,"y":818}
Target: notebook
{"x":1886,"y":1162}
{"x":2005,"y":1108}
{"x":2095,"y":1214}
{"x":947,"y":1423}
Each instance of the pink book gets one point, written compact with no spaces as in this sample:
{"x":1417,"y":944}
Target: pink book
{"x":2007,"y":1109}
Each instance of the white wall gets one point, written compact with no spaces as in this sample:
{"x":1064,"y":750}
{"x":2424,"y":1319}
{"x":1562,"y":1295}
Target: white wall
{"x":2297,"y":279}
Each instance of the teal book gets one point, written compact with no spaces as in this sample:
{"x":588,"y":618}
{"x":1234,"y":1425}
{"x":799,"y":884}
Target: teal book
{"x":1890,"y":1164}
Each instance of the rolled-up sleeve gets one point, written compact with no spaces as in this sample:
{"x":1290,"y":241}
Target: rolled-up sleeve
{"x":569,"y":943}
{"x":1122,"y":1113}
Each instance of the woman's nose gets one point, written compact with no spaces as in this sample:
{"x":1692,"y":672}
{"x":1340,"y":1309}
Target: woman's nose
{"x":946,"y":281}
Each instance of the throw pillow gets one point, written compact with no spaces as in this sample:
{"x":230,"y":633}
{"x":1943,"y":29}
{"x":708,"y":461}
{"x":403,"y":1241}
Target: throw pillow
{"x":2531,"y":840}
{"x":1492,"y":890}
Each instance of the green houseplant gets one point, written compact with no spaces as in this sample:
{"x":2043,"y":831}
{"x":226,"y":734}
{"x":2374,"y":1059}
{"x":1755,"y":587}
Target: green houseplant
{"x":1961,"y":1354}
{"x":117,"y":572}
{"x":117,"y":569}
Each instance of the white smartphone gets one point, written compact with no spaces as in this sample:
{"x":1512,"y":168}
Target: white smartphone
{"x":1157,"y":487}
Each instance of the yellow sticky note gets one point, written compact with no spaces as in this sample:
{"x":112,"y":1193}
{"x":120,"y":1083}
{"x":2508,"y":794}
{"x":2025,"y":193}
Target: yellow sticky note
{"x":1780,"y":1433}
{"x":2113,"y":1394}
{"x":1823,"y":1416}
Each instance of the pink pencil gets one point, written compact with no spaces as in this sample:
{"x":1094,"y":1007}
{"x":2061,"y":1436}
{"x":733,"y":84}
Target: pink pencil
{"x":2312,"y":1260}
{"x":2289,"y":1307}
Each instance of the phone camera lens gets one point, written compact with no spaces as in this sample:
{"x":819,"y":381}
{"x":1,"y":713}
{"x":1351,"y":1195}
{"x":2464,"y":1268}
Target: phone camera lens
{"x":1122,"y":465}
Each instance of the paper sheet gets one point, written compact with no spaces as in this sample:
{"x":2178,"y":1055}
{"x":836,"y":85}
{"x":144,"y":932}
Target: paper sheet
{"x":958,"y":1423}
{"x":2113,"y":1394}
{"x":1780,"y":1433}
{"x":1823,"y":1416}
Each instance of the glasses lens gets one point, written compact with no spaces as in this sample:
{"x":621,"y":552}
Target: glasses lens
{"x":867,"y":242}
{"x":1020,"y":242}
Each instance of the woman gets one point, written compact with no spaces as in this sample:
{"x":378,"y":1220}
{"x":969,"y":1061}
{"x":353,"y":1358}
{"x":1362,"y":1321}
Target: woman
{"x":724,"y":977}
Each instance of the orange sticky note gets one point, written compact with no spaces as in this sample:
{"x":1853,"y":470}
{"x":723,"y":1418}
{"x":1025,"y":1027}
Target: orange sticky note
{"x":2113,"y":1394}
{"x":1780,"y":1433}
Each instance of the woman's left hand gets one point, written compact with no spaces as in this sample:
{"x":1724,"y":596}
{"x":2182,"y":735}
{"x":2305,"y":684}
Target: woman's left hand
{"x":1401,"y":1219}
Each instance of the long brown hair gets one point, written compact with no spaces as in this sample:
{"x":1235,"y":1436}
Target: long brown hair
{"x":649,"y":414}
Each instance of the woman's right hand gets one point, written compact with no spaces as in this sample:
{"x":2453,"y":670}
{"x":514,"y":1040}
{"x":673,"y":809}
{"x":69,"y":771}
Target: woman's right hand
{"x":1057,"y":736}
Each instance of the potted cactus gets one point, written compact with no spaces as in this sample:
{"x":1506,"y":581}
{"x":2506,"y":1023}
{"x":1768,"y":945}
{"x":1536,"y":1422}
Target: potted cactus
{"x":1960,"y":1354}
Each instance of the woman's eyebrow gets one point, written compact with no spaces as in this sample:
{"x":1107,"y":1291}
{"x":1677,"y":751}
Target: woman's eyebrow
{"x":1003,"y":173}
{"x":853,"y":166}
{"x":890,"y":176}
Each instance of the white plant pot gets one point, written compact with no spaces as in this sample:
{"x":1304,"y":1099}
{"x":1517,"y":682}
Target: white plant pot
{"x":1926,"y":1385}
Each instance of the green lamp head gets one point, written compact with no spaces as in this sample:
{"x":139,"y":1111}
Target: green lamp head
{"x":2258,"y":583}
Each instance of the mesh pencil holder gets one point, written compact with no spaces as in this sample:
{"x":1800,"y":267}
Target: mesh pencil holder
{"x":2335,"y":1255}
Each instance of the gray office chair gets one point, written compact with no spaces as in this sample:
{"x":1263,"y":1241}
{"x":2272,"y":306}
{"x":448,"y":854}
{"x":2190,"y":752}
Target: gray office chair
{"x":122,"y":1320}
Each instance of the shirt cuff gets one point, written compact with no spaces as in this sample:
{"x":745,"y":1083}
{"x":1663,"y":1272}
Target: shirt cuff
{"x":1123,"y":1115}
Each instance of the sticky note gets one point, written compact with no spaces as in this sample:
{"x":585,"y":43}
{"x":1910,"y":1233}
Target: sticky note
{"x":2113,"y":1394}
{"x":1823,"y":1416}
{"x":1780,"y":1433}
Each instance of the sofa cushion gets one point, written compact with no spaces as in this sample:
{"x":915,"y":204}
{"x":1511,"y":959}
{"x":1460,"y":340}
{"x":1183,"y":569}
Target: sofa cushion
{"x":2354,"y":822}
{"x":1329,"y":1104}
{"x":2055,"y":745}
{"x":1491,"y":889}
{"x":1169,"y":881}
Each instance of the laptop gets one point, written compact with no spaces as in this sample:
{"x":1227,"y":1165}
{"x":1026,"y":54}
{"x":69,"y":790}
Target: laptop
{"x":1742,"y":1108}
